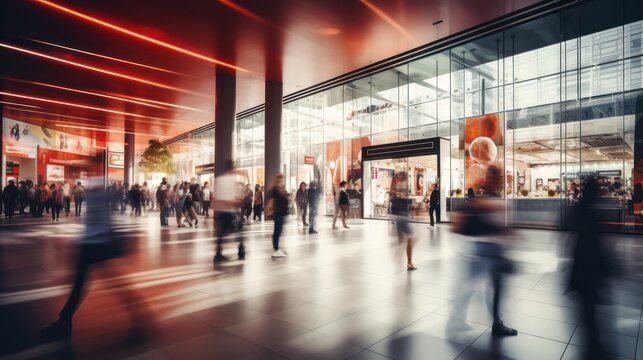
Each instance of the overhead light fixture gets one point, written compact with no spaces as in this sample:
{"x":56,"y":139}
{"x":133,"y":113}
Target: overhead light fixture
{"x":65,"y":103}
{"x":93,"y":68}
{"x":19,"y":104}
{"x":105,"y":130}
{"x":108,"y":57}
{"x":138,"y":35}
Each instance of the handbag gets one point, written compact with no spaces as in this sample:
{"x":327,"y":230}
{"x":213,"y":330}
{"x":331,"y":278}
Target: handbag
{"x":269,"y":211}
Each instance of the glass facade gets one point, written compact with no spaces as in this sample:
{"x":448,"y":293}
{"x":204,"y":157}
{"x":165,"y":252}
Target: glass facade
{"x":191,"y":155}
{"x":547,"y":102}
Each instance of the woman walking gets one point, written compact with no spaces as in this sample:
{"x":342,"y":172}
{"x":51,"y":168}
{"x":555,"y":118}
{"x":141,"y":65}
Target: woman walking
{"x":400,"y":212}
{"x":278,"y":206}
{"x":342,"y":201}
{"x":302,"y":203}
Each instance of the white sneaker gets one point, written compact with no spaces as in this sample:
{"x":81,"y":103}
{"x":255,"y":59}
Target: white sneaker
{"x":278,"y":254}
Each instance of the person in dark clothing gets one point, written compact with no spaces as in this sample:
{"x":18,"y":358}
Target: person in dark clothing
{"x":163,"y":200}
{"x":22,"y":197}
{"x":9,"y":199}
{"x":434,"y":205}
{"x":247,"y":202}
{"x":99,"y":243}
{"x":136,"y":197}
{"x":258,"y":203}
{"x":343,"y":203}
{"x":313,"y":203}
{"x":591,"y":266}
{"x":483,"y":221}
{"x":79,"y":197}
{"x":227,"y":201}
{"x":57,"y":201}
{"x":122,"y":197}
{"x":301,"y":199}
{"x":279,"y":208}
{"x":400,"y":204}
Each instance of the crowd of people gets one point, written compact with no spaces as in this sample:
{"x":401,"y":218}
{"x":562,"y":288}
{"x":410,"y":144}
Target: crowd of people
{"x":37,"y":200}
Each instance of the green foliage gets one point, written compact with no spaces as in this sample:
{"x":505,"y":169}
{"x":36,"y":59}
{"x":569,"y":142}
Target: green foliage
{"x":157,"y":157}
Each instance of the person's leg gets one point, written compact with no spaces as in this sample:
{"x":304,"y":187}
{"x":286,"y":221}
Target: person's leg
{"x":344,"y":209}
{"x":304,"y":215}
{"x":277,"y":232}
{"x":337,"y":211}
{"x":431,"y":219}
{"x":53,"y":212}
{"x":62,"y":327}
{"x":437,"y":214}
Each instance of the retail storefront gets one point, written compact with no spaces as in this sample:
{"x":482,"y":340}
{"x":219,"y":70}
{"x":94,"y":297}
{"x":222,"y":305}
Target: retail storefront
{"x":40,"y":154}
{"x":547,"y":101}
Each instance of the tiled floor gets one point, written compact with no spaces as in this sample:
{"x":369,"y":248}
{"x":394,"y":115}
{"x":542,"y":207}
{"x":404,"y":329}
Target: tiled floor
{"x":338,"y":295}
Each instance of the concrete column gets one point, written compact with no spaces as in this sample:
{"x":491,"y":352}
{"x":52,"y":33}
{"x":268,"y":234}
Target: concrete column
{"x":224,"y":120}
{"x":129,"y":149}
{"x":272,"y":151}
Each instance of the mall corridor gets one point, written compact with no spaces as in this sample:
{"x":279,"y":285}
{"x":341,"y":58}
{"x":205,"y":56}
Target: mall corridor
{"x":342,"y":294}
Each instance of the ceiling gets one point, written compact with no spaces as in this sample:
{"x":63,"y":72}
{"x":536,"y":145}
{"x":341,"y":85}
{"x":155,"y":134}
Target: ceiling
{"x":154,"y":61}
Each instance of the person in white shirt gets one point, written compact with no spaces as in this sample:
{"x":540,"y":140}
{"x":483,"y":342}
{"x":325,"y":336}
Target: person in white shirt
{"x":227,"y":201}
{"x":67,"y":198}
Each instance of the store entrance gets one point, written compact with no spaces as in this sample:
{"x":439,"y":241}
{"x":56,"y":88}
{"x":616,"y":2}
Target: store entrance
{"x":424,"y":167}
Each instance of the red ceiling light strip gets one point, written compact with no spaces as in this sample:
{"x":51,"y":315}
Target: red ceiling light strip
{"x":92,"y":68}
{"x":18,"y":104}
{"x":107,"y":57}
{"x":105,"y":130}
{"x":379,"y":12}
{"x":163,"y":103}
{"x":52,"y":101}
{"x":138,"y":36}
{"x":95,"y":94}
{"x":240,"y":9}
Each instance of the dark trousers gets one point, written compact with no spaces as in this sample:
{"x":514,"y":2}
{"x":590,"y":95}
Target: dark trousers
{"x":67,"y":205}
{"x":78,"y":204}
{"x":303,"y":211}
{"x":33,"y":208}
{"x":206,"y":208}
{"x":55,"y":211}
{"x":23,"y":205}
{"x":225,"y":225}
{"x":434,"y":210}
{"x":123,"y":206}
{"x":276,"y":234}
{"x":257,"y":212}
{"x":165,"y":213}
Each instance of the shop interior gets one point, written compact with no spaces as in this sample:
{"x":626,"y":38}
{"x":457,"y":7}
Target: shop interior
{"x":422,"y":172}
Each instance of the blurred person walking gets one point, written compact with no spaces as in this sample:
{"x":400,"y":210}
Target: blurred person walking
{"x":67,"y":198}
{"x":228,"y":198}
{"x":258,"y":203}
{"x":163,"y":200}
{"x":79,"y":197}
{"x":483,"y":220}
{"x":313,"y":203}
{"x":99,"y":243}
{"x":400,"y":204}
{"x":342,"y":203}
{"x":57,"y":201}
{"x":277,"y":209}
{"x":592,"y":265}
{"x":122,"y":197}
{"x":247,"y":202}
{"x":206,"y":194}
{"x":301,"y":200}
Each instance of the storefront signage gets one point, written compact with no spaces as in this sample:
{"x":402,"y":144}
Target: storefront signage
{"x":593,"y":173}
{"x":9,"y":167}
{"x":309,"y":160}
{"x":116,"y":160}
{"x":204,"y":169}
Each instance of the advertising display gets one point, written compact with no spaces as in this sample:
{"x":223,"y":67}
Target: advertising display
{"x":22,"y":139}
{"x":116,"y":160}
{"x":54,"y":165}
{"x":482,"y":142}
